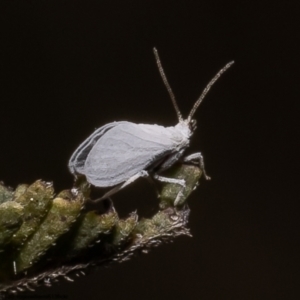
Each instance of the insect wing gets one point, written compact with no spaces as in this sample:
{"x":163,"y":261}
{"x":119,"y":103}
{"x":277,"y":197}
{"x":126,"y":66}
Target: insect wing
{"x":78,"y":158}
{"x":126,"y":149}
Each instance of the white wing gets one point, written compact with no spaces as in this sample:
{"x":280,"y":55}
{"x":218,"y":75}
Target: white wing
{"x":127,"y":148}
{"x":77,"y":160}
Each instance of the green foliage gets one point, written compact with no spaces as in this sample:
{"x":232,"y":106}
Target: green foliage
{"x":44,"y":237}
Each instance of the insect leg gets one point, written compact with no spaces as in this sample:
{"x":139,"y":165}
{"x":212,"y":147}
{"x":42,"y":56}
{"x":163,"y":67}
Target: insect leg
{"x":197,"y":156}
{"x":122,"y":185}
{"x":181,"y":182}
{"x":169,"y":180}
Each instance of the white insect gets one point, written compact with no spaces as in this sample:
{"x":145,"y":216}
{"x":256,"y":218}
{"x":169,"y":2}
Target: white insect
{"x":119,"y":153}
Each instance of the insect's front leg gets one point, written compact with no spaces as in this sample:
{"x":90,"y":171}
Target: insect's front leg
{"x":199,"y":158}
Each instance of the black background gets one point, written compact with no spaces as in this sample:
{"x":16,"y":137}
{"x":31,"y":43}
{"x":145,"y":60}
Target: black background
{"x":68,"y":67}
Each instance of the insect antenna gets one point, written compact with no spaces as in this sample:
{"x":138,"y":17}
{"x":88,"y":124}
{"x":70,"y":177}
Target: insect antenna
{"x":166,"y":83}
{"x":206,"y":90}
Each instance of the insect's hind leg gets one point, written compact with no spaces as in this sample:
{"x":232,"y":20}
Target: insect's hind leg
{"x":181,"y":182}
{"x":199,"y":158}
{"x":122,"y":185}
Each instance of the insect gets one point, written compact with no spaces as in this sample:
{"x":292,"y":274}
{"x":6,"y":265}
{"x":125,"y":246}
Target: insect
{"x":119,"y":153}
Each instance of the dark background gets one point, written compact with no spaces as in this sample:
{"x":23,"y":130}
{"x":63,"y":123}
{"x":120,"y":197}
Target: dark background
{"x":68,"y":67}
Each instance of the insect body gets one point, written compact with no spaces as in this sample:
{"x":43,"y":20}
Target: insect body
{"x":118,"y":153}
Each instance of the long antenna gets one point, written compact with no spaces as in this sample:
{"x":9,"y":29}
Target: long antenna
{"x":166,"y":83}
{"x":206,"y":90}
